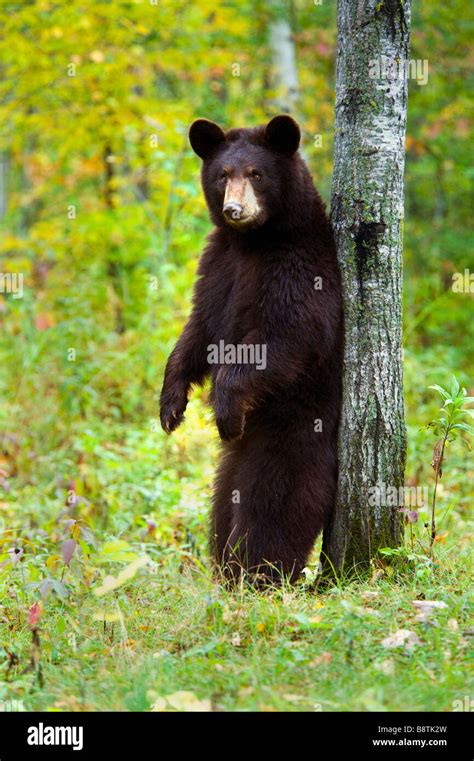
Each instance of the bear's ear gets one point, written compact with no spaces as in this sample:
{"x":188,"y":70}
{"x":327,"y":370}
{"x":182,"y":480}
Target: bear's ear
{"x":204,"y":137}
{"x":283,"y":134}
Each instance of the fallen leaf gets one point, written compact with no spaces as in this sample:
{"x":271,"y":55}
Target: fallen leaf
{"x":402,"y":638}
{"x":386,"y":667}
{"x":370,"y":595}
{"x":181,"y":701}
{"x":426,"y":608}
{"x":102,"y":615}
{"x":325,"y":657}
{"x":111,"y":582}
{"x":245,"y":692}
{"x":158,"y":706}
{"x":429,"y":603}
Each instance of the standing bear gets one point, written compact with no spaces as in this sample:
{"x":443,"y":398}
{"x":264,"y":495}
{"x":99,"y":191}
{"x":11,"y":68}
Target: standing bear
{"x":266,"y":326}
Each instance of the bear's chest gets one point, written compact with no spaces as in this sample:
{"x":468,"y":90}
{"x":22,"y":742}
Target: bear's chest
{"x":239,"y":302}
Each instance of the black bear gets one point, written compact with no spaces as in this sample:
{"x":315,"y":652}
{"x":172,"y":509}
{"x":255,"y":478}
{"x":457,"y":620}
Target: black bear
{"x":266,"y":325}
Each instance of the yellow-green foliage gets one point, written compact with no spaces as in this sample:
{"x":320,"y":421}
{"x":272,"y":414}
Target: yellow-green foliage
{"x":105,"y":220}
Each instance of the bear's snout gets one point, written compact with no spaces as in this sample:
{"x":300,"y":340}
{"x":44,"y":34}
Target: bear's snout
{"x":233,"y":210}
{"x":241,"y":206}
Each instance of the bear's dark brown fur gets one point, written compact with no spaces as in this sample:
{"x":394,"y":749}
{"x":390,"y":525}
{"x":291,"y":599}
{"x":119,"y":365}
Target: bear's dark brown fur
{"x":267,"y":278}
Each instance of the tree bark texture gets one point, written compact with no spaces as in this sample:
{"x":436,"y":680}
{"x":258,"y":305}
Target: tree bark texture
{"x":367,"y":216}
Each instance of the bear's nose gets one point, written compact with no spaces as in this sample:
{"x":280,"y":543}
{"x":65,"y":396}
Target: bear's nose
{"x":233,"y":210}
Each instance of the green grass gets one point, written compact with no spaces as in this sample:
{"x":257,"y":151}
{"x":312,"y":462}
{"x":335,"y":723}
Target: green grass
{"x":286,"y":650}
{"x":170,"y":629}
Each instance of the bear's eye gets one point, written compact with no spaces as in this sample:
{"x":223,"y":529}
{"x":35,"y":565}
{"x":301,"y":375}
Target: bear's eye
{"x":223,"y":177}
{"x":256,"y":175}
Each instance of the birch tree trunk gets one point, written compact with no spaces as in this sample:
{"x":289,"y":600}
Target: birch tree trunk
{"x":284,"y":66}
{"x":367,"y":215}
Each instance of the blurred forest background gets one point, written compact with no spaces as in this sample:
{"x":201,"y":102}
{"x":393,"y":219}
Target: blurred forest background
{"x":102,"y":212}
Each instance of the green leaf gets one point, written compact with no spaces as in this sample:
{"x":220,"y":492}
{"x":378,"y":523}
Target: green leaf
{"x":59,"y":588}
{"x":441,"y":391}
{"x":464,"y":427}
{"x":119,"y":551}
{"x":454,"y":388}
{"x":202,"y":649}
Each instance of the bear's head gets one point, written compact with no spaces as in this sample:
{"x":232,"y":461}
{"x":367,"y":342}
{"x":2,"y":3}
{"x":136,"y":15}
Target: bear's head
{"x":247,"y":173}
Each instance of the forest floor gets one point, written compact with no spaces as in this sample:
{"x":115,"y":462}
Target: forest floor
{"x":125,"y":615}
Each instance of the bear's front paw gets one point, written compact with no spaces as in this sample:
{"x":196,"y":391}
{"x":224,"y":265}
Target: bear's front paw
{"x":230,"y":426}
{"x":229,"y":407}
{"x":173,"y":404}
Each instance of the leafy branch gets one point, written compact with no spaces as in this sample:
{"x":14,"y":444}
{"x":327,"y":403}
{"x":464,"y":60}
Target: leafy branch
{"x":446,"y":428}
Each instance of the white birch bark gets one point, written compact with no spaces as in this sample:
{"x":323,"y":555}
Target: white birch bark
{"x":367,"y":215}
{"x":284,"y":66}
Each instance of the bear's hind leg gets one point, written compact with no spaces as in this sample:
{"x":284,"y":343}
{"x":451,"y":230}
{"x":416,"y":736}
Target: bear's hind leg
{"x":223,"y":514}
{"x":276,"y":530}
